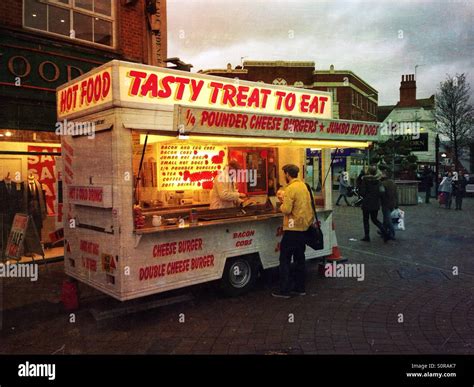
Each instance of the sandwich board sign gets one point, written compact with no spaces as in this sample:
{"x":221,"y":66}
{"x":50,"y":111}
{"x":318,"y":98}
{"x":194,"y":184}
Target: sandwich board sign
{"x":23,"y":238}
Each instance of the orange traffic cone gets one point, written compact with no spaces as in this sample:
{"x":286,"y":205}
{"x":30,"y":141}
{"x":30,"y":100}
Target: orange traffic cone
{"x":336,"y":252}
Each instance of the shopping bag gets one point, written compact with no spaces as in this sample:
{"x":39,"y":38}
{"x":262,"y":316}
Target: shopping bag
{"x":442,"y":198}
{"x":398,"y":219}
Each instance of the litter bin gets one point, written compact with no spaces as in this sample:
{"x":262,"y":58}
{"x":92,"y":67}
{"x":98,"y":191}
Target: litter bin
{"x":407,"y":192}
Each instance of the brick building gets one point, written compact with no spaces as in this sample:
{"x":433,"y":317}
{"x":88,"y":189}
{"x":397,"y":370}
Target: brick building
{"x":354,"y":98}
{"x":45,"y":43}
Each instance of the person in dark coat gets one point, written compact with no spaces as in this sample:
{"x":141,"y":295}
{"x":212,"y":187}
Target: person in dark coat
{"x":459,"y":190}
{"x":343,"y":189}
{"x":372,"y":190}
{"x":427,"y":179}
{"x":359,"y":178}
{"x":389,"y":203}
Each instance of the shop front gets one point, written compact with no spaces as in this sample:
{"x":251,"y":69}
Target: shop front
{"x":140,"y":215}
{"x":32,"y":67}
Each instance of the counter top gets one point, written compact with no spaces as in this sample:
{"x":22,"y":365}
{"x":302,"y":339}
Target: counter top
{"x":237,"y":219}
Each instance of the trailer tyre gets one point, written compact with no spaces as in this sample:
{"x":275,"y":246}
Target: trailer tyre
{"x":239,"y":276}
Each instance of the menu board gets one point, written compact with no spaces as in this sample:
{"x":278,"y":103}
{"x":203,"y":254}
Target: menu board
{"x":189,"y":166}
{"x":23,"y":238}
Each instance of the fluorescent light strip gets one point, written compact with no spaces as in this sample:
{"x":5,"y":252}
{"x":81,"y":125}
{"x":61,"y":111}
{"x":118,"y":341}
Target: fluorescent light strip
{"x":253,"y":141}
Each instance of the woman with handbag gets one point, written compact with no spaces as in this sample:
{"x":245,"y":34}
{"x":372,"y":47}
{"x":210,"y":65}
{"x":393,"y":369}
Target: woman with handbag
{"x":446,"y":188}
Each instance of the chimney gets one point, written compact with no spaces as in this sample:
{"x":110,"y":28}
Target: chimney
{"x":407,"y":91}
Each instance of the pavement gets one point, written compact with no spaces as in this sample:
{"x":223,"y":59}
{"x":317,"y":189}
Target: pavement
{"x":416,"y":298}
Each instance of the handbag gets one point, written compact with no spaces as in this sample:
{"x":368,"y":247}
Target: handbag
{"x":314,"y":237}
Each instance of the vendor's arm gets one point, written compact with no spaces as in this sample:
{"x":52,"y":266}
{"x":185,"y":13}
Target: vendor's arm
{"x":225,"y":193}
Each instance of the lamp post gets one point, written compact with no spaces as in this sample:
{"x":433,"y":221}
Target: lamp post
{"x":437,"y":162}
{"x":368,"y":148}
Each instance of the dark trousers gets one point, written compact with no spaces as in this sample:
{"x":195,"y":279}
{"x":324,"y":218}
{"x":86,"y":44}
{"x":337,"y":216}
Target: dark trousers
{"x":387,"y":222}
{"x":428,"y":194}
{"x":449,"y":199}
{"x":342,"y":196}
{"x":373,"y":216}
{"x":459,"y":201}
{"x":292,"y":245}
{"x":5,"y":227}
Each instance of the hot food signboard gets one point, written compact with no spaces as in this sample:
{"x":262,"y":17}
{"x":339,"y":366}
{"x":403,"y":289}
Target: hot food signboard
{"x":140,"y":86}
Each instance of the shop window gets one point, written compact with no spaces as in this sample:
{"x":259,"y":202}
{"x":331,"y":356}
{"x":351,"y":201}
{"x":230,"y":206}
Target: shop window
{"x":58,"y":21}
{"x":86,"y":20}
{"x":35,"y":14}
{"x":102,"y":32}
{"x":103,"y":6}
{"x":83,"y":26}
{"x":84,"y":4}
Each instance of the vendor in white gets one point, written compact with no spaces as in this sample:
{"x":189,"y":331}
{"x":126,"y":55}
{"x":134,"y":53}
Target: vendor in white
{"x":224,"y":193}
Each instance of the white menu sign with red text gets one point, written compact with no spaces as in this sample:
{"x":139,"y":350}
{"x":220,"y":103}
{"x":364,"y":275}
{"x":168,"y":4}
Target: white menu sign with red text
{"x":93,"y":196}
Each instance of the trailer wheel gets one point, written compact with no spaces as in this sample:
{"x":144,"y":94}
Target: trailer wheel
{"x":239,"y":275}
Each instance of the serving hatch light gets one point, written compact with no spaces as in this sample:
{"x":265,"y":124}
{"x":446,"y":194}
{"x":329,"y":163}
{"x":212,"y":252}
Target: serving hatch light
{"x":279,"y":142}
{"x":255,"y":141}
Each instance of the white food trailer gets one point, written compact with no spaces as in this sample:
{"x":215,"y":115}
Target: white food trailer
{"x":141,"y":146}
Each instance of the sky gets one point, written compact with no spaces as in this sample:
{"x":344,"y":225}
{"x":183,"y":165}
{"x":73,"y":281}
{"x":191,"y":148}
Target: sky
{"x":377,"y":40}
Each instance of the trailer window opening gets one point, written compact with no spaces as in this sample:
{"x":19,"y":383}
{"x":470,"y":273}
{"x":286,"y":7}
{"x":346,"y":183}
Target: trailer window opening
{"x":178,"y":175}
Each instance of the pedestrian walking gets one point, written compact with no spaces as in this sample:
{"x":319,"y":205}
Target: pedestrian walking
{"x":372,"y":190}
{"x":459,"y":190}
{"x":427,"y":179}
{"x":446,"y":188}
{"x":359,"y":178}
{"x":343,"y":189}
{"x":389,"y":203}
{"x":296,"y":206}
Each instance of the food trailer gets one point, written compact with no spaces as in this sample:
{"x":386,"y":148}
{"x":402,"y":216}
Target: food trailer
{"x":142,"y":147}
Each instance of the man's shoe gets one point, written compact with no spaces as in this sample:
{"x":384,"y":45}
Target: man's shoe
{"x":298,"y":293}
{"x":279,"y":294}
{"x":365,"y":239}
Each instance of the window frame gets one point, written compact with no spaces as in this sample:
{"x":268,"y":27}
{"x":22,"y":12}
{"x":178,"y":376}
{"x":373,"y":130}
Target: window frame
{"x":71,"y":7}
